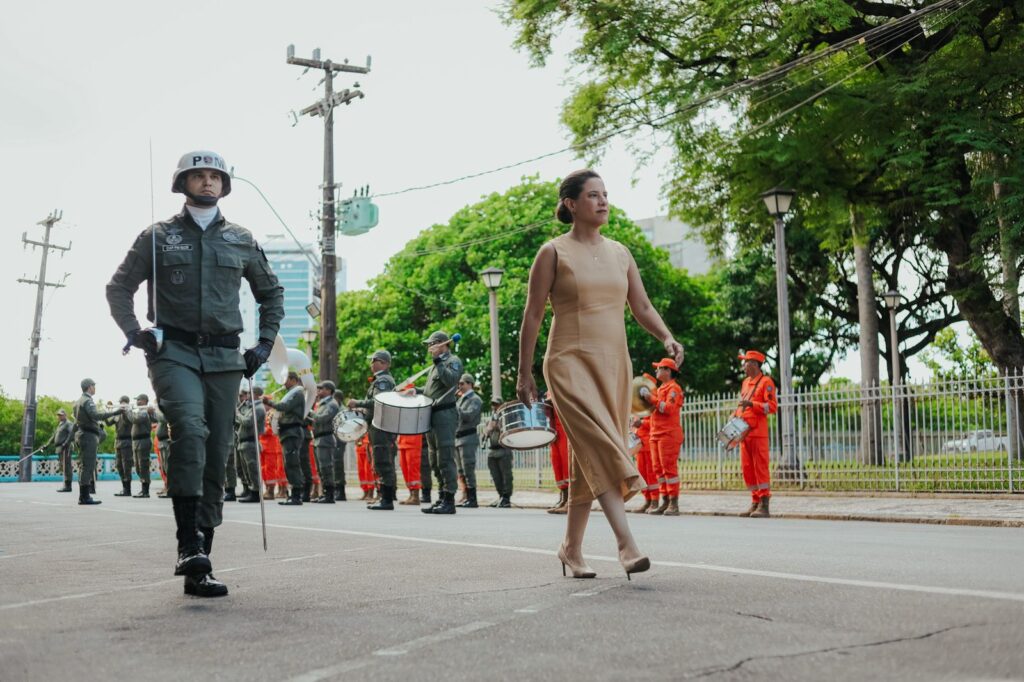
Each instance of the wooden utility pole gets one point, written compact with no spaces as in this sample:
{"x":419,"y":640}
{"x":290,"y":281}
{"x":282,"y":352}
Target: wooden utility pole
{"x":325,"y":108}
{"x":28,"y":423}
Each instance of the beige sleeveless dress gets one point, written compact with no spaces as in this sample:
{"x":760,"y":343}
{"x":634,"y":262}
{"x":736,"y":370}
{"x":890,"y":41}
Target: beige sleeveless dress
{"x":587,"y":366}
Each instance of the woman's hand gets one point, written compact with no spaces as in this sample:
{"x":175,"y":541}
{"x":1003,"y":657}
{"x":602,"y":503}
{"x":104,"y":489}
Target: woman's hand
{"x":675,"y":351}
{"x":526,"y":389}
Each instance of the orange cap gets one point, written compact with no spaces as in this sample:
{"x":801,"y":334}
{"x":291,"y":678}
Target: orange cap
{"x":752,"y":355}
{"x":667,"y":362}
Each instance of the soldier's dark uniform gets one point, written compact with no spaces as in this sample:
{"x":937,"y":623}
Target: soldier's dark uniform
{"x":142,"y":442}
{"x":248,"y":462}
{"x":195,"y":374}
{"x":231,"y":465}
{"x":325,"y":442}
{"x":61,"y":441}
{"x":339,"y":460}
{"x":467,"y":440}
{"x":304,"y":459}
{"x":88,"y":434}
{"x":383,"y":446}
{"x":499,"y":460}
{"x":441,"y":382}
{"x":123,"y":459}
{"x":291,"y":410}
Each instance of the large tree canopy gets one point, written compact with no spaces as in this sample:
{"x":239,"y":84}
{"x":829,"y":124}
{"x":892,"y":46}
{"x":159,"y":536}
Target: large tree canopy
{"x":909,"y":129}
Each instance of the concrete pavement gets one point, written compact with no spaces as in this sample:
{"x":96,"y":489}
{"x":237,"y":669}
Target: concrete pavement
{"x":87,"y":593}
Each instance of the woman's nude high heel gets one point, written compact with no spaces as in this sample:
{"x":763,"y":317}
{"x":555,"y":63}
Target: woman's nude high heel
{"x":581,"y":571}
{"x":638,"y":565}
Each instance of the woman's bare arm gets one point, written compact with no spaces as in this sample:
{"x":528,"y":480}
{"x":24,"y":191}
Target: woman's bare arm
{"x":645,"y":314}
{"x":542,"y":277}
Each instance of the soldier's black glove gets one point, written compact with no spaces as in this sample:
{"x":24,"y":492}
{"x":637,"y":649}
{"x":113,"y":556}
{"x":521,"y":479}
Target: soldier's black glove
{"x":256,"y":356}
{"x":141,"y":339}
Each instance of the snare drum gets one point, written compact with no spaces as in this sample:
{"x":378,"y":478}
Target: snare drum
{"x":349,"y":425}
{"x":634,"y":443}
{"x":733,"y":433}
{"x":406,"y":415}
{"x":525,"y":428}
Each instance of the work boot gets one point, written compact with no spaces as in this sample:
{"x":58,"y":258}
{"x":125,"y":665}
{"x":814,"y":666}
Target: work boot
{"x":145,"y":490}
{"x":445,"y":504}
{"x":505,"y":502}
{"x":673,"y":506}
{"x":659,"y":510}
{"x":643,"y":509}
{"x":425,"y":496}
{"x":306,"y":490}
{"x":229,"y":495}
{"x":205,"y":585}
{"x":762,"y":509}
{"x":126,"y":489}
{"x":327,"y":497}
{"x":414,"y":498}
{"x":751,"y":510}
{"x":192,"y":559}
{"x":470,"y":501}
{"x":563,"y":502}
{"x":83,"y":495}
{"x":249,"y":496}
{"x":293,"y":500}
{"x":386,"y":501}
{"x":66,"y":488}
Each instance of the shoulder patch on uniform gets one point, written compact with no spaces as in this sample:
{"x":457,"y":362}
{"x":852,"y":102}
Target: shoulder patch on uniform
{"x":382,"y":384}
{"x":456,"y":365}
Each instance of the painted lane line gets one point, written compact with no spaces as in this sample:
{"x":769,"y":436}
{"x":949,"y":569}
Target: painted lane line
{"x":75,"y":547}
{"x":435,"y":638}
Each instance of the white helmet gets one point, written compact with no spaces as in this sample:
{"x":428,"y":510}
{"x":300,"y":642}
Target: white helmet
{"x":195,"y":161}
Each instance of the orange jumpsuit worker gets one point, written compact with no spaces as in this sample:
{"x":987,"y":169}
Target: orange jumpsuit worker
{"x":645,"y":464}
{"x":666,"y":433}
{"x":758,"y":399}
{"x":367,"y":479}
{"x":560,"y":462}
{"x":409,"y":448}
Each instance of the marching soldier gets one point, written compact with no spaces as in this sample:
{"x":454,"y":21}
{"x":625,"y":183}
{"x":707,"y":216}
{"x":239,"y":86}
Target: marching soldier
{"x":123,"y":458}
{"x":383,"y":445}
{"x":60,"y":441}
{"x":325,"y":441}
{"x":193,"y":354}
{"x":163,"y":441}
{"x":339,"y":459}
{"x":499,"y":459}
{"x":247,"y":435}
{"x":88,"y":435}
{"x":291,"y":412}
{"x":467,"y":440}
{"x":758,"y":399}
{"x":441,"y":383}
{"x":142,"y":440}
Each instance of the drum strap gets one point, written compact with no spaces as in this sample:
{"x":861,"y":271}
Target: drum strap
{"x":750,"y":395}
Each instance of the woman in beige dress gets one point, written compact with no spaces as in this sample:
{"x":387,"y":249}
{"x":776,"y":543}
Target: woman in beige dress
{"x":589,"y":280}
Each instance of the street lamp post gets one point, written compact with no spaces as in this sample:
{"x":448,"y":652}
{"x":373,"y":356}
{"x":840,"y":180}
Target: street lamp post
{"x":892,"y":302}
{"x":492,"y":279}
{"x":309,"y":336}
{"x":778,"y":201}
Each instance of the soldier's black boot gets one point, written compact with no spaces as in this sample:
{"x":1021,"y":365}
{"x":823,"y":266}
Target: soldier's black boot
{"x":387,"y":499}
{"x":339,"y":493}
{"x":229,"y":495}
{"x":445,"y":504}
{"x":192,"y":558}
{"x":505,"y":502}
{"x":66,"y":488}
{"x":250,"y":496}
{"x":126,"y":489}
{"x":205,"y":585}
{"x":425,"y":496}
{"x":83,"y":495}
{"x":294,"y":499}
{"x":145,"y":490}
{"x":306,"y":490}
{"x":327,"y":497}
{"x":470,"y":501}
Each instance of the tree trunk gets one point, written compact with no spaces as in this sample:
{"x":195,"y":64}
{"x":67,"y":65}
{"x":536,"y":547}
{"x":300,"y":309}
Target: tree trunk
{"x":867,"y":309}
{"x":1009,"y":253}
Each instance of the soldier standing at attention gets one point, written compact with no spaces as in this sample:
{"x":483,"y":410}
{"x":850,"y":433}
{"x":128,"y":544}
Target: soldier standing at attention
{"x":89,"y":434}
{"x":193,"y":285}
{"x":339,"y":459}
{"x":499,"y":459}
{"x":246,"y":437}
{"x":142,"y":419}
{"x":163,"y":442}
{"x":467,"y":440}
{"x":291,"y":412}
{"x":441,"y":382}
{"x":60,"y":441}
{"x":382,"y":445}
{"x":324,"y":439}
{"x":123,"y":446}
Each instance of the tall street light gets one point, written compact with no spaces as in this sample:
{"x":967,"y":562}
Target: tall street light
{"x":492,"y":279}
{"x":778,"y":201}
{"x":892,"y":302}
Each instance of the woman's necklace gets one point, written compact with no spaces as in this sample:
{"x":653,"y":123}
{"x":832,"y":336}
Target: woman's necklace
{"x":594,"y":249}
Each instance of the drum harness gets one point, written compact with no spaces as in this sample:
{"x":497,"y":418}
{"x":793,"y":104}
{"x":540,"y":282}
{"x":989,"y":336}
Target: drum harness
{"x":750,"y":395}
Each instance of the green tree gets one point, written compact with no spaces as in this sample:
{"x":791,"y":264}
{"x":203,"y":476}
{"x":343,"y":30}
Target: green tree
{"x":949,"y":359}
{"x":12,"y":412}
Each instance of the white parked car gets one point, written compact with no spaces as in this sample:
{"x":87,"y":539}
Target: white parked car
{"x":978,"y":441}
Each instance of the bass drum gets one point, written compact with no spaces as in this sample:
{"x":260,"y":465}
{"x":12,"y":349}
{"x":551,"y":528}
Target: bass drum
{"x":405,"y":415}
{"x":349,"y":426}
{"x":525,"y":428}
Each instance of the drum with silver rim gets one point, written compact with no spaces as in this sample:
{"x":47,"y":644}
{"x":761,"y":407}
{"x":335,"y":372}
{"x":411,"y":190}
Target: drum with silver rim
{"x":406,"y":415}
{"x":633,"y":443}
{"x":733,"y":433}
{"x":525,"y":428}
{"x":349,"y":425}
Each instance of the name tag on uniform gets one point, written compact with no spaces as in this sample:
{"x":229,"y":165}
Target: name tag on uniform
{"x":176,"y":247}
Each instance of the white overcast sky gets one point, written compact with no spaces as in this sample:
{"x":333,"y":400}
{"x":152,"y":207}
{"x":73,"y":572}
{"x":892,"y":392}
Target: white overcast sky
{"x":85,"y":87}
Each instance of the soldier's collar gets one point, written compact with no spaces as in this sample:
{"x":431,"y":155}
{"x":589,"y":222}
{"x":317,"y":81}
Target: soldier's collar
{"x":186,"y":217}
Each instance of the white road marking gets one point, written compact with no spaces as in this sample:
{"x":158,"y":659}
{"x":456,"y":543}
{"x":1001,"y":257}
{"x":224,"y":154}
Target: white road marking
{"x":73,"y":547}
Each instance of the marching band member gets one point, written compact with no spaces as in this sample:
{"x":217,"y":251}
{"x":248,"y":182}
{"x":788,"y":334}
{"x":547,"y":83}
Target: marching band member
{"x":499,"y":459}
{"x":409,"y":448}
{"x":642,"y":429}
{"x":666,"y":434}
{"x":467,"y":440}
{"x":382,"y":444}
{"x":325,"y":440}
{"x":757,"y":400}
{"x":441,"y":382}
{"x":291,"y":410}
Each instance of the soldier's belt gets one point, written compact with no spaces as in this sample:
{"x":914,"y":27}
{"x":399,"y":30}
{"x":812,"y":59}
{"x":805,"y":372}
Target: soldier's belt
{"x":464,"y":432}
{"x":200,"y":340}
{"x":321,"y":434}
{"x":86,"y":429}
{"x":440,"y":408}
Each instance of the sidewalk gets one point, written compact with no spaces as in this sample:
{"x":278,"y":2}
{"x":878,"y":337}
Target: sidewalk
{"x":1000,"y":510}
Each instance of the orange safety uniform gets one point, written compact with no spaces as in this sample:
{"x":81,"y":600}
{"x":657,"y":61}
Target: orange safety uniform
{"x":666,"y":435}
{"x":367,"y":479}
{"x":560,"y":453}
{"x":312,"y":465}
{"x":409,"y":451}
{"x":271,"y":457}
{"x":754,"y":448}
{"x":644,"y":460}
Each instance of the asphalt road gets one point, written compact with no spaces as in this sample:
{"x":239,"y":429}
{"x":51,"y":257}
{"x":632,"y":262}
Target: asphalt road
{"x":87,"y":593}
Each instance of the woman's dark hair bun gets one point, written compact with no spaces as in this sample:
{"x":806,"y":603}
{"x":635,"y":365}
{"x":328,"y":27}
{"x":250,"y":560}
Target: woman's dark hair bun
{"x":563,"y":213}
{"x":571,"y":188}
